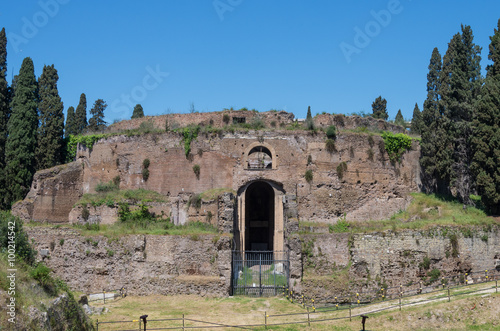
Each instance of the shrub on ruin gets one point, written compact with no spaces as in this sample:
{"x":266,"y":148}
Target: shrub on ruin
{"x":106,"y":187}
{"x":146,"y":163}
{"x":116,"y":181}
{"x":330,"y":146}
{"x":341,"y":169}
{"x":194,"y":201}
{"x":308,"y":175}
{"x":370,"y":154}
{"x":425,"y":264}
{"x":196,"y":170}
{"x":85,"y":213}
{"x":331,"y":132}
{"x":225,"y":119}
{"x":145,"y":174}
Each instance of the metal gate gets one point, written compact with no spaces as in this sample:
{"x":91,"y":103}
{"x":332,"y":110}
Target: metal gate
{"x":260,"y":273}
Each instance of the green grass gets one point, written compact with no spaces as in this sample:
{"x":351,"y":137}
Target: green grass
{"x":159,"y":227}
{"x":429,"y":211}
{"x":116,"y":196}
{"x":215,"y":193}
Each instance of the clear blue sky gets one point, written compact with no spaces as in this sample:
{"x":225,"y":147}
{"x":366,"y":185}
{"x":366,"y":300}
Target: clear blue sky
{"x":262,"y":54}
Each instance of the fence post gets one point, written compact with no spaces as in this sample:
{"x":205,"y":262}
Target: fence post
{"x":265,"y":319}
{"x":336,"y":303}
{"x":420,"y":288}
{"x":465,"y":279}
{"x":350,"y":305}
{"x":308,"y":319}
{"x":183,"y":322}
{"x":448,"y":293}
{"x":104,"y":295}
{"x":486,"y":272}
{"x":97,"y":324}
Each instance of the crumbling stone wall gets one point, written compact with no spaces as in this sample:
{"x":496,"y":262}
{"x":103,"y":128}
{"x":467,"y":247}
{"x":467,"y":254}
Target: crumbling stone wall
{"x":368,"y":187}
{"x":336,"y":264}
{"x":53,"y":193}
{"x":144,"y":264}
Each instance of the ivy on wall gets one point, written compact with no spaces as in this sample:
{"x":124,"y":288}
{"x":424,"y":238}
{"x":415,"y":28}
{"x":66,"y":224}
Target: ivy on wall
{"x":396,"y":145}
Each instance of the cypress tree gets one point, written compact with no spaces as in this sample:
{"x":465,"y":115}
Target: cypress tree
{"x":96,"y":122}
{"x":460,"y":86}
{"x":81,"y":115}
{"x":379,"y":108}
{"x":486,"y":132}
{"x":399,"y":120}
{"x":431,"y":130}
{"x":69,"y":129}
{"x":309,"y":119}
{"x":138,"y":111}
{"x":4,"y":113}
{"x":416,"y":121}
{"x":50,"y":132}
{"x":21,"y":140}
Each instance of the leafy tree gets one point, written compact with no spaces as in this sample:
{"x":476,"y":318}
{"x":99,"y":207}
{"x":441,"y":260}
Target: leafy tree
{"x":96,"y":122}
{"x":433,"y":142}
{"x":486,"y":132}
{"x":81,"y":115}
{"x":21,"y":140}
{"x":138,"y":111}
{"x":416,"y":121}
{"x":50,"y":147}
{"x":399,"y":119}
{"x":4,"y":111}
{"x":70,"y":122}
{"x":379,"y":107}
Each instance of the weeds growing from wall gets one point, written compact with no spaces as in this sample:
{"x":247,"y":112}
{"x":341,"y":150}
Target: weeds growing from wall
{"x":308,"y":175}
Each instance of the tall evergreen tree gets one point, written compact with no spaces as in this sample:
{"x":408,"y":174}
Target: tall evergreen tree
{"x":309,"y":119}
{"x":460,"y":86}
{"x":96,"y":122}
{"x":379,"y":107}
{"x":399,"y":120}
{"x":49,"y":150}
{"x":4,"y":112}
{"x":69,"y":128}
{"x":138,"y":111}
{"x":486,"y":132}
{"x":81,"y":115}
{"x":432,"y":130}
{"x":416,"y":121}
{"x":21,"y":128}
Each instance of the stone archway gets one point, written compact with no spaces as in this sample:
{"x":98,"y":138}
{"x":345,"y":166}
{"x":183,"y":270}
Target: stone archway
{"x":260,"y":217}
{"x":271,"y":158}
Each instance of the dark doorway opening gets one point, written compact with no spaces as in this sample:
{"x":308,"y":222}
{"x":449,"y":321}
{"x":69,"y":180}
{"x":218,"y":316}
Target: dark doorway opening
{"x":259,"y":217}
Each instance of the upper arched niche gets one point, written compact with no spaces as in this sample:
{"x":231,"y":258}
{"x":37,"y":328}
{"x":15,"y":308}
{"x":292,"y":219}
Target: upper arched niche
{"x":259,"y":156}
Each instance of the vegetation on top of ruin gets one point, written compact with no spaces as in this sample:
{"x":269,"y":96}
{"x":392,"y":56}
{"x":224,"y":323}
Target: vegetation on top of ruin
{"x":158,"y":226}
{"x":114,"y":196}
{"x":425,"y":212}
{"x":214,"y":193}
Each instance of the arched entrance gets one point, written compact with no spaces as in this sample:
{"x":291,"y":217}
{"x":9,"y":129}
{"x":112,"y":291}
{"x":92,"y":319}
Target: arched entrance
{"x":259,"y":217}
{"x":260,"y":265}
